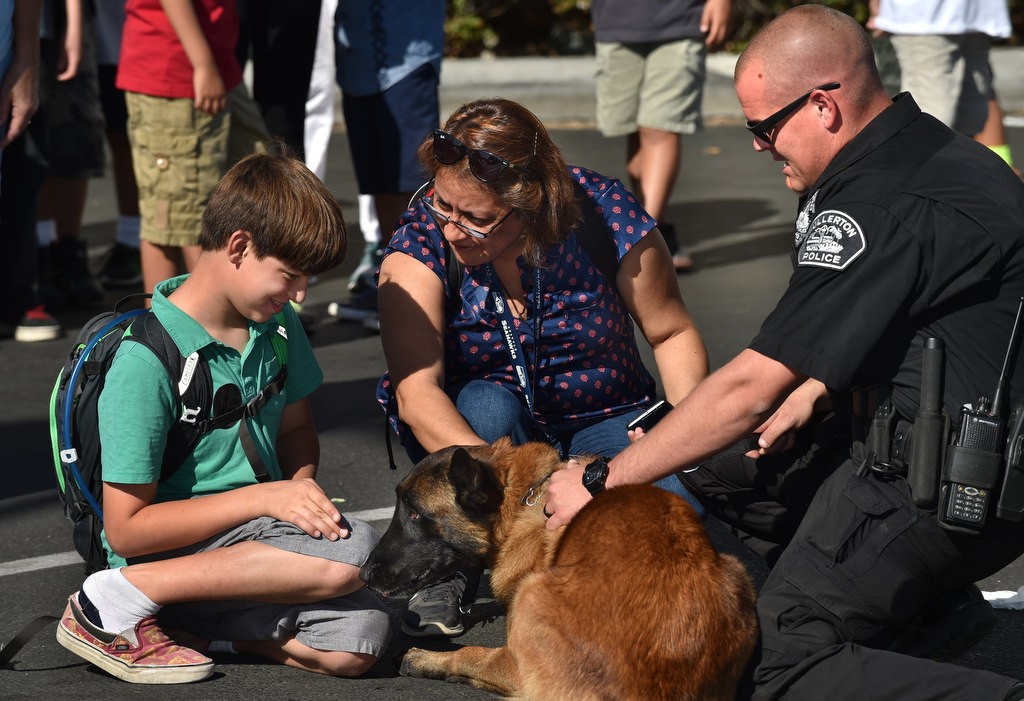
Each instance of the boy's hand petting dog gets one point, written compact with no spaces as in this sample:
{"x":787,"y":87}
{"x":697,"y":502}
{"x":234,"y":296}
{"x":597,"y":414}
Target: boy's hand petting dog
{"x":302,"y":502}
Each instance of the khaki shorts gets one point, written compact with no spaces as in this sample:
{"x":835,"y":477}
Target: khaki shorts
{"x":180,"y":154}
{"x":655,"y":85}
{"x":949,"y":77}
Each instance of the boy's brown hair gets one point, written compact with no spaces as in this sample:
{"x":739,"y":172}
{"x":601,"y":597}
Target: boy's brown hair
{"x":288,"y":211}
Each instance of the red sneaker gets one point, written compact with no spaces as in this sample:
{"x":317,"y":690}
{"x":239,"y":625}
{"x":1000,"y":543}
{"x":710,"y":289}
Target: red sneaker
{"x":142,"y":655}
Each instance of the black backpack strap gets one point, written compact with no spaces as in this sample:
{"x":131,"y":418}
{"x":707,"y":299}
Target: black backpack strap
{"x":195,"y":390}
{"x":29,"y":631}
{"x":592,"y":233}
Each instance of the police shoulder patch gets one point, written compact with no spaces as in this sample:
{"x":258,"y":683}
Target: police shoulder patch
{"x":834,"y":240}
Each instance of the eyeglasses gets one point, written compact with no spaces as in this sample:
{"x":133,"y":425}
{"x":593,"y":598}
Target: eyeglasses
{"x":763,"y":129}
{"x":441,"y":218}
{"x":487,"y":167}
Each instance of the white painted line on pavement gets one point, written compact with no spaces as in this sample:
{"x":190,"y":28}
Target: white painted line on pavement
{"x":383,"y":514}
{"x":44,"y":562}
{"x":30,"y":564}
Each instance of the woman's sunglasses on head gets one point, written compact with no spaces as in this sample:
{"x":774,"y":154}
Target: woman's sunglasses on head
{"x":484,"y":165}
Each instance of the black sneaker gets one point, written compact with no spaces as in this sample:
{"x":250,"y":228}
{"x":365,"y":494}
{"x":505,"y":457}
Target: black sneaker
{"x":123,"y":267}
{"x":436,"y":610}
{"x":37,"y":326}
{"x":71,"y":272}
{"x":364,"y":276}
{"x":46,"y":277}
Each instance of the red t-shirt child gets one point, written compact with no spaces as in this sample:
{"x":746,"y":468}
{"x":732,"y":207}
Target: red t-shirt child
{"x":153,"y":61}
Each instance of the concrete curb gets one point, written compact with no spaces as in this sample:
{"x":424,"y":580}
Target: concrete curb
{"x":562,"y":89}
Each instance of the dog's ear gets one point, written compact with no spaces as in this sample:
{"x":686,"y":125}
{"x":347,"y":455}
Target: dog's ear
{"x":477,"y":490}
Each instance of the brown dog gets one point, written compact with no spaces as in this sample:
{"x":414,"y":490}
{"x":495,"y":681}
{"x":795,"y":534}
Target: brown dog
{"x":629,"y":601}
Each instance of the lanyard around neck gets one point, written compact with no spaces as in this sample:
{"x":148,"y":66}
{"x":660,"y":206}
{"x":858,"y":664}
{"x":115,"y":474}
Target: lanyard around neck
{"x":527,"y":379}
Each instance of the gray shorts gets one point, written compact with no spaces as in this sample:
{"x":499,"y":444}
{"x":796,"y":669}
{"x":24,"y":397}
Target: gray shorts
{"x":949,"y":77}
{"x":659,"y":85}
{"x":353,"y":623}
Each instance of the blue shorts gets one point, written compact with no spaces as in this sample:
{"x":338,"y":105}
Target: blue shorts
{"x":386,"y":129}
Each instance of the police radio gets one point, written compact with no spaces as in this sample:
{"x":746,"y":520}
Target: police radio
{"x":974,"y":462}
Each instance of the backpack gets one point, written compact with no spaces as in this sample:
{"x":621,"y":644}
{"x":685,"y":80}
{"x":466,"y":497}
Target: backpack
{"x":74,"y":423}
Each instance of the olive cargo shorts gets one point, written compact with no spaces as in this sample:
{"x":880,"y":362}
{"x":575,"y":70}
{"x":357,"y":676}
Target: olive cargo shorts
{"x":180,"y":154}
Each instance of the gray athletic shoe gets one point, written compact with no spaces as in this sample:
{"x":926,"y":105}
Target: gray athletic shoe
{"x":436,"y":610}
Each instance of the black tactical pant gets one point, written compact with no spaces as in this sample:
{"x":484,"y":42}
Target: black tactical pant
{"x":862,"y":564}
{"x":854,"y":560}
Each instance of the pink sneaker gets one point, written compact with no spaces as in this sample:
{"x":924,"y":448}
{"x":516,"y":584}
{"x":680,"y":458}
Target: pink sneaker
{"x":143,"y":655}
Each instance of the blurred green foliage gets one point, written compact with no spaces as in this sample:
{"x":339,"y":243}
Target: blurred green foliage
{"x":562,"y":27}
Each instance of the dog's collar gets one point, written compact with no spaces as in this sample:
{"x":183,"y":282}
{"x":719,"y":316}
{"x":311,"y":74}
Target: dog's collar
{"x":533,"y":493}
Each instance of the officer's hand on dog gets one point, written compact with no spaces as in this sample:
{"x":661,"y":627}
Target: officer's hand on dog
{"x":303,"y":503}
{"x":566,"y":495}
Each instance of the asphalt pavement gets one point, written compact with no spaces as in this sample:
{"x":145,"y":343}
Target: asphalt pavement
{"x":735,"y":216}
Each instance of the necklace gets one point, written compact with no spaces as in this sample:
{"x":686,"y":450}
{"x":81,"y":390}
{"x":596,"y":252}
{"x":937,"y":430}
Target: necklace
{"x":516,"y":303}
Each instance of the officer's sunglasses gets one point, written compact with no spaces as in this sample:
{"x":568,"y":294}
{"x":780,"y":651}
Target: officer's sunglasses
{"x":484,"y":165}
{"x":764,"y":128}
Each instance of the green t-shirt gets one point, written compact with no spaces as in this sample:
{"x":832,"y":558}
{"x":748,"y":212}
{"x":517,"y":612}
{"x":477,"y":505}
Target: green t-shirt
{"x":140,"y":401}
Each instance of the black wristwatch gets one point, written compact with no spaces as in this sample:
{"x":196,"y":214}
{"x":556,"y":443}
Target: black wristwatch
{"x":594,"y":476}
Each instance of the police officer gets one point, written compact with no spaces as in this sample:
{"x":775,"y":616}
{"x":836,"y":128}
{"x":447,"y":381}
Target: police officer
{"x":905,"y":231}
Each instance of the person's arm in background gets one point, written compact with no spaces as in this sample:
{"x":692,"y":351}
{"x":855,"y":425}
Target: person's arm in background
{"x":19,"y":92}
{"x":411,"y":302}
{"x":650,"y":289}
{"x":211,"y":96}
{"x":714,"y":22}
{"x":71,"y":49}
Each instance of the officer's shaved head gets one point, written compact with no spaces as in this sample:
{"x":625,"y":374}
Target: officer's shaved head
{"x":808,"y":46}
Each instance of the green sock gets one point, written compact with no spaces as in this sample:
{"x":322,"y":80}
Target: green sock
{"x":1003,"y":151}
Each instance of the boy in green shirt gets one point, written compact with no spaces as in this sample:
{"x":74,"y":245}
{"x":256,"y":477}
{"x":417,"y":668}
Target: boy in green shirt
{"x":266,"y":568}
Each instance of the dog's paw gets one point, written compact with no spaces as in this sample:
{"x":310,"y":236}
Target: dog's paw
{"x":422,"y":663}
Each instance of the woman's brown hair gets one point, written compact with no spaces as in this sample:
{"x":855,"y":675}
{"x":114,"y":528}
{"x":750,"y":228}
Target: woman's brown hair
{"x":539,"y":187}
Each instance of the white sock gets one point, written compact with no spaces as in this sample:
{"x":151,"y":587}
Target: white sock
{"x":221,"y":646}
{"x":120,"y":604}
{"x":128,"y":230}
{"x":369,"y":225}
{"x":46,"y":232}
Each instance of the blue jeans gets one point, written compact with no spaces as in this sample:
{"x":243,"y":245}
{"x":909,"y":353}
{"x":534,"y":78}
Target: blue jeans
{"x":493,"y":412}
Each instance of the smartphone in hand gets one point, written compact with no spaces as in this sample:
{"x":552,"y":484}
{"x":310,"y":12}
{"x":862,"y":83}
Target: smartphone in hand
{"x":650,"y":417}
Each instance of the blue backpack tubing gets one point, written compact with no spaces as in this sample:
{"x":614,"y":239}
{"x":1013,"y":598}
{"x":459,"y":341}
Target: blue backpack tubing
{"x":74,"y":423}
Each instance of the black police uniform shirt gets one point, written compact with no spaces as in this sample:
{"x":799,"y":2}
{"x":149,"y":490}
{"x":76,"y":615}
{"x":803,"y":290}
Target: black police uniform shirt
{"x":912,"y":231}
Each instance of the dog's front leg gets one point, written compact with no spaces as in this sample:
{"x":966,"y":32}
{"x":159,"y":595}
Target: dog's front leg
{"x":492,"y":669}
